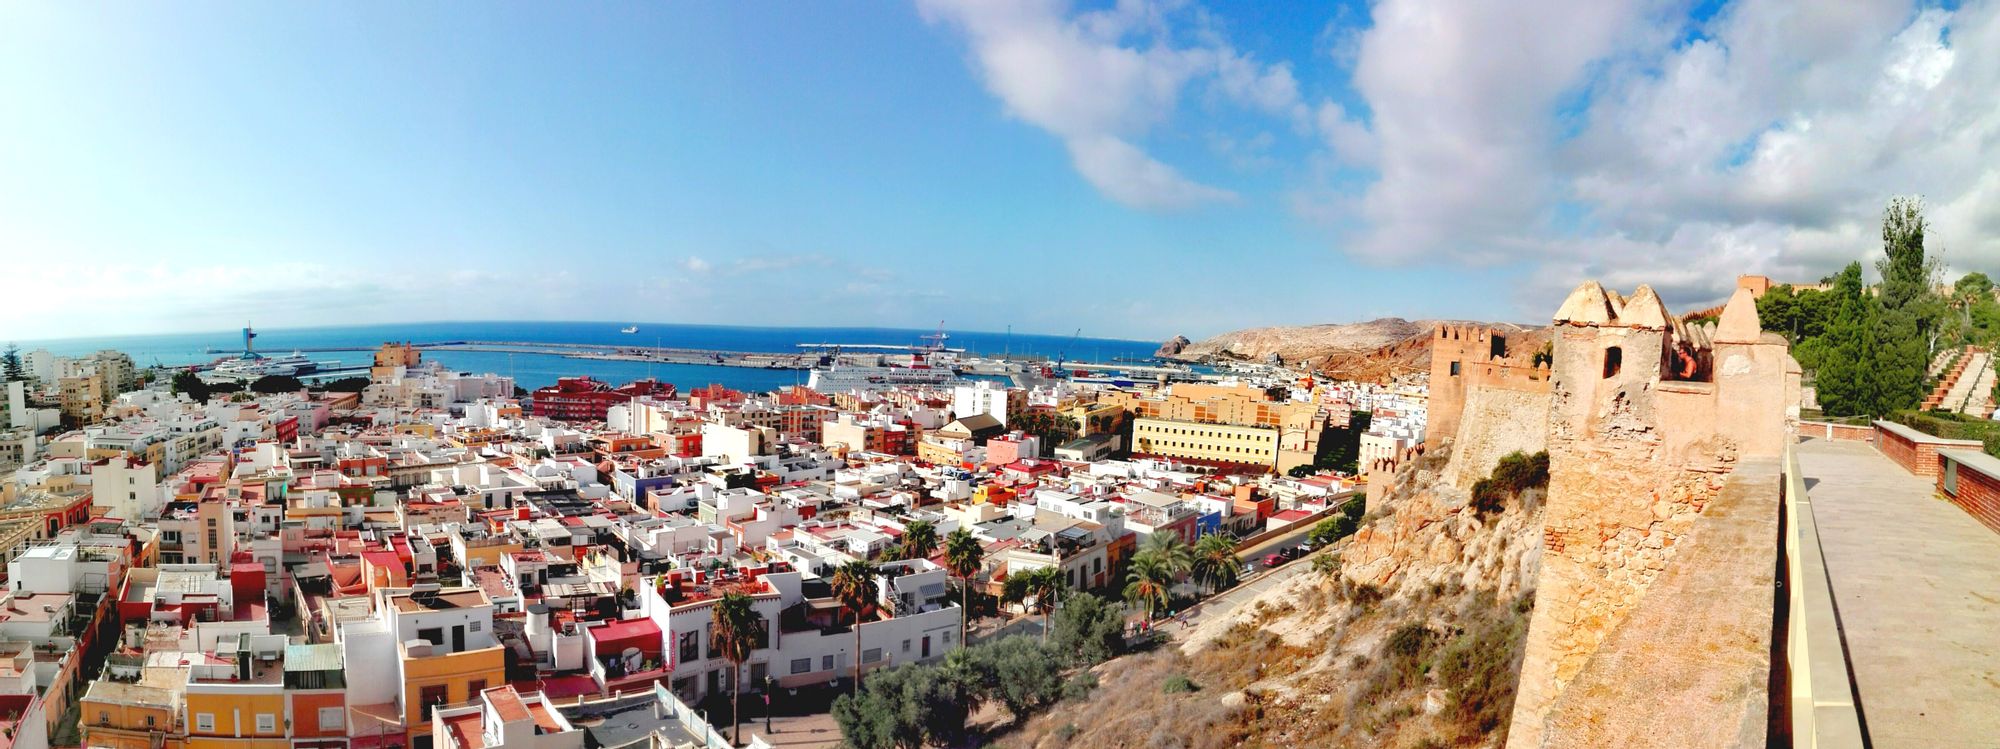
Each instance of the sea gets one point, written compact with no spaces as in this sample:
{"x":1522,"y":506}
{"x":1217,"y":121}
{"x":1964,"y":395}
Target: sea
{"x":538,"y":370}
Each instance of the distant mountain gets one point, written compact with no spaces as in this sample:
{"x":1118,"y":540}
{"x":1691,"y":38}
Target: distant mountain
{"x":1372,"y":350}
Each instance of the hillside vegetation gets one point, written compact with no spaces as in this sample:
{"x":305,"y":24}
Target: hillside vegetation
{"x":1407,"y":634}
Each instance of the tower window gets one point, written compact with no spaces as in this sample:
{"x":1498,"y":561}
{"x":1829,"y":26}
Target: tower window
{"x":1614,"y":359}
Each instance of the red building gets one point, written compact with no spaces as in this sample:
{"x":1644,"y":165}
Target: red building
{"x":585,"y":399}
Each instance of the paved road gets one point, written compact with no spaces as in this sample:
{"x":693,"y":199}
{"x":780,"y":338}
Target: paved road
{"x":1918,"y":596}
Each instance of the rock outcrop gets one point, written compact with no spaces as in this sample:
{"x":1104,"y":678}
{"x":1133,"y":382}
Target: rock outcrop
{"x":1375,"y":350}
{"x":1173,"y":347}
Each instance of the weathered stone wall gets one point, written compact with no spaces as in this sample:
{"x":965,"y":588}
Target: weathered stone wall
{"x":1496,"y":422}
{"x":1696,"y":650}
{"x":1465,"y":359}
{"x":1634,"y":459}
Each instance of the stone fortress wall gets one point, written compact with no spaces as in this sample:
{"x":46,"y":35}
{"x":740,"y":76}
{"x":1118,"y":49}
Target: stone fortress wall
{"x":1466,"y":359}
{"x":1646,"y":418}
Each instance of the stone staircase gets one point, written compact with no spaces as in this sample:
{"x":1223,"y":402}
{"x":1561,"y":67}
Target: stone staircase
{"x":1979,"y":400}
{"x":1953,"y":368}
{"x":1962,"y":383}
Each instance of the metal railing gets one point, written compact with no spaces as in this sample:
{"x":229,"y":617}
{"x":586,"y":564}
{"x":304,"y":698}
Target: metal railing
{"x":1821,"y":694}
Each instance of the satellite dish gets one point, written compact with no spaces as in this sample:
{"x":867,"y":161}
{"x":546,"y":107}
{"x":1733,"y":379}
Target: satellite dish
{"x":634,"y":658}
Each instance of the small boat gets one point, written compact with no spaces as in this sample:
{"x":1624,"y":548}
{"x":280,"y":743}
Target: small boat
{"x":629,"y":329}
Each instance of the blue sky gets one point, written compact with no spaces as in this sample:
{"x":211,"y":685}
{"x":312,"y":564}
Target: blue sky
{"x":1134,"y":169}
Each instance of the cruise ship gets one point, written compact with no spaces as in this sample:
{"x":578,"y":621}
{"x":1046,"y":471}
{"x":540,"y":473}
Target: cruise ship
{"x":842,"y":378}
{"x":259,"y":366}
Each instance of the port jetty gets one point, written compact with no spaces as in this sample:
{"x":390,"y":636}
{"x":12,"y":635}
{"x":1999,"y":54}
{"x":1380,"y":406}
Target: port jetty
{"x":808,"y":356}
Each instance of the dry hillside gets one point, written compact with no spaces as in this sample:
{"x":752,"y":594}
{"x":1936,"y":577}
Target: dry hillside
{"x":1372,"y":350}
{"x":1413,"y":641}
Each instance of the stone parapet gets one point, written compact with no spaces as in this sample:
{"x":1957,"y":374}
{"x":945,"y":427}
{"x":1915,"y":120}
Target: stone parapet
{"x":1699,"y":642}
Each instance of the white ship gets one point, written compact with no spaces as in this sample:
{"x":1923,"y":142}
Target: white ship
{"x":629,"y":329}
{"x":260,"y":366}
{"x":251,"y":365}
{"x":842,"y":378}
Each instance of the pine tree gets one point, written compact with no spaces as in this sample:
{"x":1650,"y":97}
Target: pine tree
{"x":1911,"y":310}
{"x":10,"y":365}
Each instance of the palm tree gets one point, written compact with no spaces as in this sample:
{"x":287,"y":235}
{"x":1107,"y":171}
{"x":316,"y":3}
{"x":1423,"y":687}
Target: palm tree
{"x":1215,"y":561}
{"x":1150,"y":581}
{"x":1041,"y":584}
{"x":854,"y":585}
{"x":963,"y":557}
{"x":1172,"y":551}
{"x":920,"y":540}
{"x":737,"y":630}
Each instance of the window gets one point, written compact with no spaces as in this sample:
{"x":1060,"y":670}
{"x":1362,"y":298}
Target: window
{"x":690,"y":648}
{"x":906,"y":646}
{"x":204,"y":721}
{"x":871,"y":655}
{"x":149,"y":721}
{"x":431,"y":697}
{"x":475,"y":625}
{"x":826,"y":663}
{"x":1454,"y":369}
{"x":474,"y":687}
{"x":801,"y":665}
{"x":434,"y":635}
{"x":1614,"y":359}
{"x":267,"y":723}
{"x":332,"y":719}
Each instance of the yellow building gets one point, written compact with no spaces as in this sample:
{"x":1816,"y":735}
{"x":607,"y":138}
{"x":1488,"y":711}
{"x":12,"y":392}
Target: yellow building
{"x":446,"y":649}
{"x":119,"y":715}
{"x":1297,"y":424}
{"x":237,"y":700}
{"x":1226,"y":443}
{"x":82,"y":399}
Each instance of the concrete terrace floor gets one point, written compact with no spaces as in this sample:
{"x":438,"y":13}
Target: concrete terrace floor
{"x":1917,"y":585}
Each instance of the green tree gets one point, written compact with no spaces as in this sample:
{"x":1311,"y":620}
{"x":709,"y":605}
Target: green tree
{"x":1089,"y":630}
{"x":964,"y":556}
{"x":10,"y":365}
{"x":1846,"y":386}
{"x":270,"y":384}
{"x":346,"y":385}
{"x":908,"y":707}
{"x":186,"y":381}
{"x":1907,"y":330}
{"x":1020,"y":674}
{"x":920,"y":540}
{"x":1041,"y":585}
{"x":1149,"y":582}
{"x":1331,"y":529}
{"x":735,"y":631}
{"x":1974,"y":284}
{"x":1172,"y":551}
{"x":1215,"y":562}
{"x":854,"y":584}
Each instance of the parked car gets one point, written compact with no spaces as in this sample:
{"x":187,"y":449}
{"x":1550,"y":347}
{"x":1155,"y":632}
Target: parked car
{"x":1275,"y":560}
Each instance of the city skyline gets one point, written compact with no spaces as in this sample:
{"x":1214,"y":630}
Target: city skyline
{"x":1034,"y":164}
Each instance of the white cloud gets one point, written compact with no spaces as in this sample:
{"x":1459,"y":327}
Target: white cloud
{"x":1589,"y":137}
{"x":1101,"y":80}
{"x":1129,"y":176}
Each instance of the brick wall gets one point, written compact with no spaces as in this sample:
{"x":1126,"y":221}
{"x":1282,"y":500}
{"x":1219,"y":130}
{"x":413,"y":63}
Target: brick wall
{"x":1978,"y":493}
{"x":1839,"y":432}
{"x":1915,"y":451}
